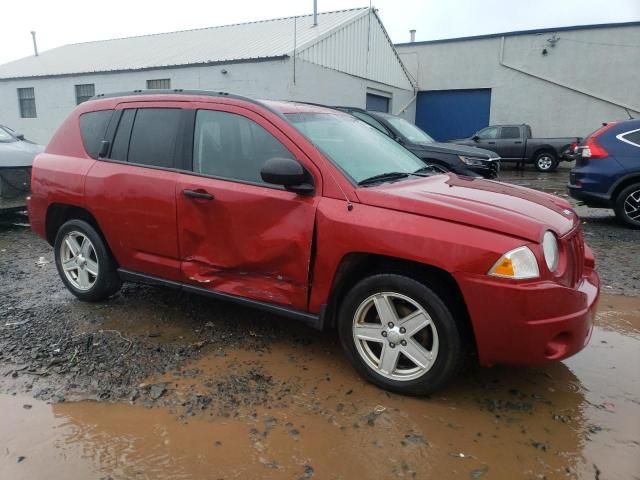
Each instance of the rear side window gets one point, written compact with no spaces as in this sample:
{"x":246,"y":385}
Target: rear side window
{"x":510,"y":132}
{"x":632,"y":137}
{"x":232,"y":146}
{"x":93,"y":126}
{"x":153,"y":137}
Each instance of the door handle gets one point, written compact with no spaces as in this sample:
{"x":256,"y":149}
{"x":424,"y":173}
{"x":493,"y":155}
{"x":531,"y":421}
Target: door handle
{"x":491,"y":143}
{"x":201,"y":194}
{"x":517,"y":142}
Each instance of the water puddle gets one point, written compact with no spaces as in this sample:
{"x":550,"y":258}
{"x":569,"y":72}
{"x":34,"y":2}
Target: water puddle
{"x":297,"y":410}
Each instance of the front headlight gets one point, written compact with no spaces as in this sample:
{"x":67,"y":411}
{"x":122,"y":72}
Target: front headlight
{"x":550,"y":249}
{"x":473,"y":161}
{"x":518,"y":264}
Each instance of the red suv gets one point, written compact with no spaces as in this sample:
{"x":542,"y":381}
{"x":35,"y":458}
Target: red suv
{"x":310,"y":213}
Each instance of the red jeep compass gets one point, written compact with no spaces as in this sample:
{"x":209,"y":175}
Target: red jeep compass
{"x":308,"y":212}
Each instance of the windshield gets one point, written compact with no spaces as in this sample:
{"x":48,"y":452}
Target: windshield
{"x":409,"y":130}
{"x":358,"y":149}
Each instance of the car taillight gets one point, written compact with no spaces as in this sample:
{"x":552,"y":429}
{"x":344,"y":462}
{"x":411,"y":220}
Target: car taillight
{"x":592,"y":148}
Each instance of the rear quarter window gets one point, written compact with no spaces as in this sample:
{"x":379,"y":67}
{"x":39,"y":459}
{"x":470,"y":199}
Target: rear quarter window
{"x":632,"y":137}
{"x":93,"y":126}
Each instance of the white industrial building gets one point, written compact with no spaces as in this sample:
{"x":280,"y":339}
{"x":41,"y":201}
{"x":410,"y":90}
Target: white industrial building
{"x":563,"y":82}
{"x":345,"y":58}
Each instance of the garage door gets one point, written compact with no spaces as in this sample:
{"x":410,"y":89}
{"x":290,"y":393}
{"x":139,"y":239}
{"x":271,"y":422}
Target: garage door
{"x":447,"y":114}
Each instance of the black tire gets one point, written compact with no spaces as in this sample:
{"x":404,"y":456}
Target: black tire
{"x":545,"y":162}
{"x":629,"y":198}
{"x":450,"y":355}
{"x":107,"y":281}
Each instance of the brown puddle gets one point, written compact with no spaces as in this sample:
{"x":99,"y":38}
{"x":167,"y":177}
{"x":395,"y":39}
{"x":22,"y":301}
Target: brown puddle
{"x":299,"y":411}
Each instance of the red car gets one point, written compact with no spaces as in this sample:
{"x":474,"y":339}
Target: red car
{"x":310,"y":213}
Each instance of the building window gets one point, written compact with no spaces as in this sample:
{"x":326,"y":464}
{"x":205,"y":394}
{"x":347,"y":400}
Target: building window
{"x":27,"y":100}
{"x":377,"y":103}
{"x":84,"y":92}
{"x":160,"y":83}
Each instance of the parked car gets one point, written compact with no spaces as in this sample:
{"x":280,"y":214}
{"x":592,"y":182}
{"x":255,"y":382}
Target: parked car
{"x":607,"y":171}
{"x":459,"y":159}
{"x":309,"y":213}
{"x":515,"y":143}
{"x":16,"y":157}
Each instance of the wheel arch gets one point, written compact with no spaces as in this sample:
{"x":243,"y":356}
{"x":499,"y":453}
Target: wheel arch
{"x":622,"y":184}
{"x":59,"y":213}
{"x":357,"y":265}
{"x":543,"y":149}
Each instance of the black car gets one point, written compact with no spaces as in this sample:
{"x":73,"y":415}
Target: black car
{"x":455,"y":158}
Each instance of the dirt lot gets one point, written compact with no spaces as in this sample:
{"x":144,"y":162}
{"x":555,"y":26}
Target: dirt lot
{"x":159,"y":384}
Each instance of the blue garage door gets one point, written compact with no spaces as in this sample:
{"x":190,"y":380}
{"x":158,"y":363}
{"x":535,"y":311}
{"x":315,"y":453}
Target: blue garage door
{"x":447,"y":114}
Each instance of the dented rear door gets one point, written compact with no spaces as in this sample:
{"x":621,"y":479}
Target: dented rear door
{"x":238,"y":235}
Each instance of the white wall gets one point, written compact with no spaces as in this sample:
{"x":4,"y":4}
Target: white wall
{"x":603,"y":62}
{"x":55,"y":97}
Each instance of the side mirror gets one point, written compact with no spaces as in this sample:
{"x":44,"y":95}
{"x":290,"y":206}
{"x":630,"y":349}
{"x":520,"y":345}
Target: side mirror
{"x":475,"y":138}
{"x":20,"y":136}
{"x":288,"y":173}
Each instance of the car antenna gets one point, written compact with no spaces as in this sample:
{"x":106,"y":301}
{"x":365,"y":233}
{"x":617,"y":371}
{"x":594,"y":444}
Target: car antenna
{"x":349,"y":204}
{"x":629,"y":113}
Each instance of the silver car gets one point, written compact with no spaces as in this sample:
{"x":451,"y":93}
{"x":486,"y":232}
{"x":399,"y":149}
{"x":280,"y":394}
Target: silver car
{"x":16,"y":158}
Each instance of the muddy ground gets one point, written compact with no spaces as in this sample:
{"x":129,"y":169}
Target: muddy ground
{"x":160,"y":384}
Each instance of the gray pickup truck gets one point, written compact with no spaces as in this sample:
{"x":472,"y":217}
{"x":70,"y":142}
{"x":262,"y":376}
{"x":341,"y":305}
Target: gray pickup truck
{"x":515,"y":143}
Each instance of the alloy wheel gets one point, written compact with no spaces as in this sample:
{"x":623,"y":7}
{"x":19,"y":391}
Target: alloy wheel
{"x":395,"y":336}
{"x":79,"y":260}
{"x":632,"y":206}
{"x":545,"y":162}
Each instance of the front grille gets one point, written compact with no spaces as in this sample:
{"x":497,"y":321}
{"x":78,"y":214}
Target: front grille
{"x":574,"y":248}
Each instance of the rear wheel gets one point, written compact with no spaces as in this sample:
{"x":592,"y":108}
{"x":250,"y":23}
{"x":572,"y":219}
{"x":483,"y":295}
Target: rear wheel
{"x":545,"y":162}
{"x":84,"y":262}
{"x":399,"y":334}
{"x":627,"y":206}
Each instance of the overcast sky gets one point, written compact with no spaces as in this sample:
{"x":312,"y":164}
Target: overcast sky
{"x":59,"y":22}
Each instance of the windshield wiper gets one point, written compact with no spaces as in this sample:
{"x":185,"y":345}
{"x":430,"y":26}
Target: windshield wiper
{"x":384,"y":177}
{"x":430,"y":169}
{"x":426,"y":171}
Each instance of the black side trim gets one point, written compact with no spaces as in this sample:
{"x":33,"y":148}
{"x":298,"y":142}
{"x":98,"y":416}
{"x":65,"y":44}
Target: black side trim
{"x":314,"y":321}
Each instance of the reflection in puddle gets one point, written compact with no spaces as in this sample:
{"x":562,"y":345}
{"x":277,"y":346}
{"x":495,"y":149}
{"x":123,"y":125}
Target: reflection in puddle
{"x":312,"y":417}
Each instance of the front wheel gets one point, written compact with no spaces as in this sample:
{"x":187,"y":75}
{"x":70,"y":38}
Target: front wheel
{"x":84,"y":262}
{"x":400,"y":335}
{"x":627,"y":206}
{"x":546,"y":162}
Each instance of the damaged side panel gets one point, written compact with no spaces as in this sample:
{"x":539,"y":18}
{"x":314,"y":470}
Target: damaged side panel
{"x":249,"y":240}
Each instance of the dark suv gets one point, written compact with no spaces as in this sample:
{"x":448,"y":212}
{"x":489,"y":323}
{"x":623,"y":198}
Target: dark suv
{"x":607,"y":171}
{"x":459,"y":159}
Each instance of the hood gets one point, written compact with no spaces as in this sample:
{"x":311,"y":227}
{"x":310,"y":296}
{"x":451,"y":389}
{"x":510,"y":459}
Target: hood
{"x":453,"y":149}
{"x":491,"y":205}
{"x":18,"y":154}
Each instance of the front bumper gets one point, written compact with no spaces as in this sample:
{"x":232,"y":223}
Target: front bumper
{"x":489,"y":168}
{"x":529,"y":323}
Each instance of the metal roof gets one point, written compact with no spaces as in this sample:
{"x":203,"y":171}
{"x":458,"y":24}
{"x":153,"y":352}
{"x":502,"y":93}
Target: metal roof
{"x":224,"y":44}
{"x":522,"y":32}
